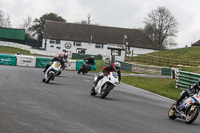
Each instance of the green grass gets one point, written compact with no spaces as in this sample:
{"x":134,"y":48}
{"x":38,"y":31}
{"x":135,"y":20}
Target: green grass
{"x":11,"y":50}
{"x":99,"y":66}
{"x":189,"y":53}
{"x":162,"y":86}
{"x":5,"y":49}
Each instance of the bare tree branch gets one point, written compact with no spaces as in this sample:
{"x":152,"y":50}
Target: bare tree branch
{"x":161,"y":26}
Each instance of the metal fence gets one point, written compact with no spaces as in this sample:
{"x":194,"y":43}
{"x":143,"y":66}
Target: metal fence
{"x":149,"y":59}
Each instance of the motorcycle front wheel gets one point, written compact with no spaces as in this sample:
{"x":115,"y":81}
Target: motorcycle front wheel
{"x":172,"y":112}
{"x":93,"y":93}
{"x":80,"y":70}
{"x":105,"y":91}
{"x":191,"y":115}
{"x":49,"y":77}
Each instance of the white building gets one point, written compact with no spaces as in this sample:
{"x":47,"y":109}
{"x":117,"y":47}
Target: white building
{"x":92,"y":39}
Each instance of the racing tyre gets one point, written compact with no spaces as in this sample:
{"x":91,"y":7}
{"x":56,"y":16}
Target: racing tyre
{"x":58,"y":73}
{"x":172,"y":112}
{"x":93,"y":93}
{"x":79,"y":71}
{"x":50,"y":76}
{"x":191,"y":115}
{"x":105,"y":91}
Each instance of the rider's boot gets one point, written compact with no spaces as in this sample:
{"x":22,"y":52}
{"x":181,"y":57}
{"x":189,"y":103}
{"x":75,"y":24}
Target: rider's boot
{"x":92,"y":90}
{"x":43,"y":80}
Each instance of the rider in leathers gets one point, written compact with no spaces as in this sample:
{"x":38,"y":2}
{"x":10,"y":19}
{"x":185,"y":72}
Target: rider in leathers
{"x":106,"y":71}
{"x":59,"y":58}
{"x":90,"y":61}
{"x":190,"y":92}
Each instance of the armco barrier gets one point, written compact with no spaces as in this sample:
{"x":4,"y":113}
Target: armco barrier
{"x":147,"y":69}
{"x":29,"y":61}
{"x":41,"y":62}
{"x":184,"y":79}
{"x":142,"y":68}
{"x":7,"y":60}
{"x":125,"y":66}
{"x":80,"y":62}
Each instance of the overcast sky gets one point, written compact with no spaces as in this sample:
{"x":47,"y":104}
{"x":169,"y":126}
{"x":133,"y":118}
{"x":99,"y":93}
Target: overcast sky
{"x":114,"y":13}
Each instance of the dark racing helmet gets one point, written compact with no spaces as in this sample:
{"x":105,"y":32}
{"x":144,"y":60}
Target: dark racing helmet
{"x":117,"y":66}
{"x":61,"y":56}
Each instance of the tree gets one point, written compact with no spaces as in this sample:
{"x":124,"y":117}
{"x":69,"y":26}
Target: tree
{"x":38,"y":27}
{"x":4,"y":21}
{"x":161,"y":26}
{"x":26,"y":25}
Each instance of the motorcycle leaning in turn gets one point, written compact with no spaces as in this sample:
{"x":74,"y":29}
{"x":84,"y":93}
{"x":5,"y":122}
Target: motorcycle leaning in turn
{"x":84,"y":68}
{"x":188,"y":109}
{"x":52,"y":71}
{"x":105,"y":85}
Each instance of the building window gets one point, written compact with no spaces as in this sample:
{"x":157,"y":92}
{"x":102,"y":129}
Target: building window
{"x":77,"y":44}
{"x":52,"y":41}
{"x":57,"y":41}
{"x":98,"y":45}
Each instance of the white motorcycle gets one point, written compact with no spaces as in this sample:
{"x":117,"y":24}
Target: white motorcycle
{"x":52,"y":71}
{"x":105,"y":85}
{"x":66,"y":64}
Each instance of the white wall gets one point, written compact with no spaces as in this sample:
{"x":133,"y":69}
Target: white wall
{"x":106,"y":53}
{"x":137,"y":51}
{"x":15,"y":45}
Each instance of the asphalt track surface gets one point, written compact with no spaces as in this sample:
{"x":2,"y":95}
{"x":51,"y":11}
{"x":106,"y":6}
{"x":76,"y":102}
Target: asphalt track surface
{"x":27,"y":105}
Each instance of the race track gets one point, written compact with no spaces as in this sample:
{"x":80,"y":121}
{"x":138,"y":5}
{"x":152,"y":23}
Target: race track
{"x":27,"y":105}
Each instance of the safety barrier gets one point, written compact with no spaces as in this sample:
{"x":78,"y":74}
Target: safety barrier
{"x":184,"y":79}
{"x":39,"y":62}
{"x":8,"y":60}
{"x":26,"y":60}
{"x":142,"y":68}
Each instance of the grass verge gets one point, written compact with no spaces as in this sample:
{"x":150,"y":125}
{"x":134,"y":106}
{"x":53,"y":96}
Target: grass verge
{"x":162,"y":86}
{"x":5,"y":49}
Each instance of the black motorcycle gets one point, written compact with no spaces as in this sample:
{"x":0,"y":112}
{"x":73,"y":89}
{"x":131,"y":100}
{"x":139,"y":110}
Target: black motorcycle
{"x":84,"y":68}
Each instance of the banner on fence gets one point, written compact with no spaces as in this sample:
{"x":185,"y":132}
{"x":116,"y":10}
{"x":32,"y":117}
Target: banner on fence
{"x":41,"y":62}
{"x":29,"y":61}
{"x":8,"y":60}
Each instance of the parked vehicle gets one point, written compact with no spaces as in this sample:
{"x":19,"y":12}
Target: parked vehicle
{"x":188,"y":109}
{"x":52,"y":71}
{"x":105,"y":85}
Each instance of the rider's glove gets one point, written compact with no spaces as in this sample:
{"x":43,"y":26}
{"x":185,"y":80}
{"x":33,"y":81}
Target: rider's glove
{"x":105,"y":74}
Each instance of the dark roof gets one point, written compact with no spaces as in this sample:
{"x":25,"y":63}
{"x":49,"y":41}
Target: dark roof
{"x":196,"y":43}
{"x":100,"y":34}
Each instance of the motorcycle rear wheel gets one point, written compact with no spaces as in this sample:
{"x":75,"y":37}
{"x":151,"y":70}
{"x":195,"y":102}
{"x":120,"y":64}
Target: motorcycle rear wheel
{"x":172,"y":112}
{"x":191,"y":116}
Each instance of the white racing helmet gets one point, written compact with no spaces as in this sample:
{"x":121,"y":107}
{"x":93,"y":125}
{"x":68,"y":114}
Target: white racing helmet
{"x":117,"y":66}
